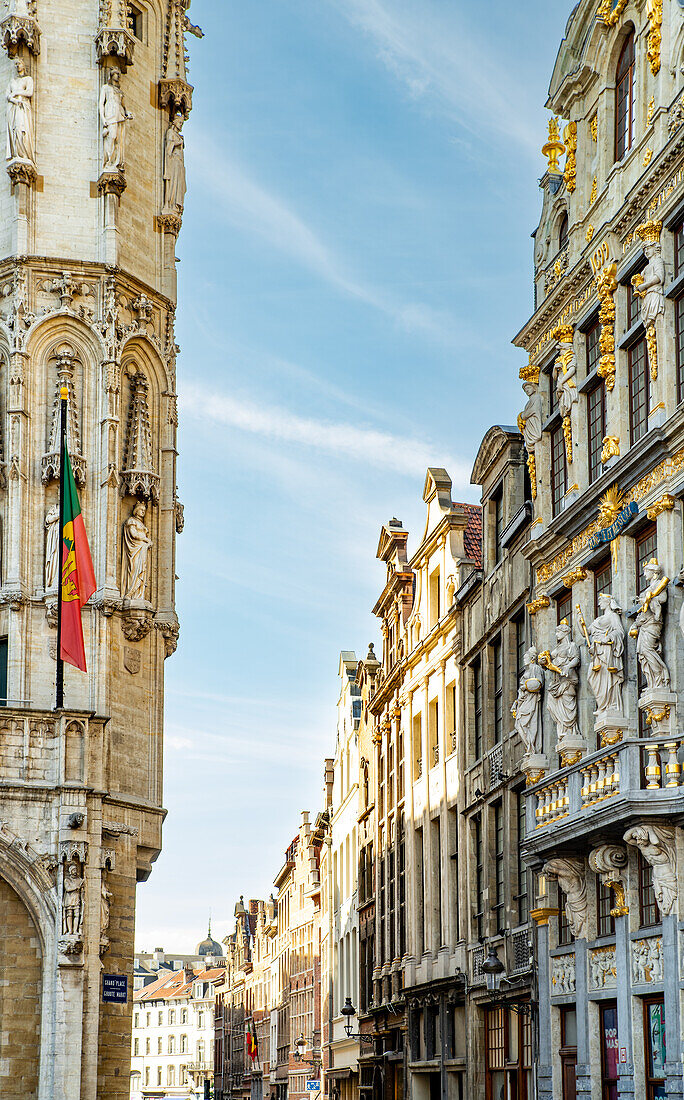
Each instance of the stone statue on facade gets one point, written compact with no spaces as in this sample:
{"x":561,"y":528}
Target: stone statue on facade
{"x":530,"y":419}
{"x":114,"y":117}
{"x":561,"y":698}
{"x":136,"y":546}
{"x":72,"y":900}
{"x":527,"y":710}
{"x":52,"y":548}
{"x":565,"y":371}
{"x":648,"y":627}
{"x":105,"y":899}
{"x":20,"y":129}
{"x":657,"y":845}
{"x":606,"y":641}
{"x":572,"y":879}
{"x":174,"y":168}
{"x":650,"y":287}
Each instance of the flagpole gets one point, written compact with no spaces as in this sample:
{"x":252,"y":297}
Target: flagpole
{"x":63,"y":396}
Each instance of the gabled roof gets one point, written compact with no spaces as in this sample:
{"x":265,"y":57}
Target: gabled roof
{"x":472,"y":536}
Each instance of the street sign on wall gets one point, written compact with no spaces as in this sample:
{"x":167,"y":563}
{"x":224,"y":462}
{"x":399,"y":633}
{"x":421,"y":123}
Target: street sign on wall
{"x":115,"y":988}
{"x":313,"y":1086}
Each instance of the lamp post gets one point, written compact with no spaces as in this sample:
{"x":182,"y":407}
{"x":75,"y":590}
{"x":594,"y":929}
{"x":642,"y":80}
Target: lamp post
{"x":348,"y":1011}
{"x":495,"y":973}
{"x":298,"y":1055}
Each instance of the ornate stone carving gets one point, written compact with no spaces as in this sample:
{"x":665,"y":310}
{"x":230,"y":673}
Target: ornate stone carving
{"x":609,"y":861}
{"x":606,"y":644}
{"x":526,"y":710}
{"x":562,"y":975}
{"x":676,"y":116}
{"x":169,"y":223}
{"x":138,"y":477}
{"x":574,"y":576}
{"x":530,"y":425}
{"x":115,"y":42}
{"x":136,"y":546}
{"x":174,"y":168}
{"x":648,"y":285}
{"x":564,"y":373}
{"x":52,"y":548}
{"x":570,"y":141}
{"x":654,"y":11}
{"x":112,"y":182}
{"x":136,"y":624}
{"x":602,"y":968}
{"x":132,"y":659}
{"x":610,"y":12}
{"x":20,"y":171}
{"x":572,"y":879}
{"x":610,"y":449}
{"x":176,"y":96}
{"x":65,"y":360}
{"x":561,"y":698}
{"x":606,"y":285}
{"x":647,"y":961}
{"x":72,"y":899}
{"x":114,"y":116}
{"x":20,"y":27}
{"x":169,"y":630}
{"x":105,"y":902}
{"x":657,"y":845}
{"x":180,"y":518}
{"x":648,"y":627}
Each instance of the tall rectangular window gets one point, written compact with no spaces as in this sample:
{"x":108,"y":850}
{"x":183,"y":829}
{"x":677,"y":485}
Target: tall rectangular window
{"x":646,"y":546}
{"x":497,"y":670}
{"x":604,"y":921}
{"x":639,"y":391}
{"x":553,"y":394}
{"x":433,"y":732}
{"x":435,"y":603}
{"x":477,"y":705}
{"x":520,"y":646}
{"x":420,"y":879}
{"x":565,"y":935}
{"x":648,"y":909}
{"x":450,"y":735}
{"x":499,"y":863}
{"x":391,"y":911}
{"x":454,"y":886}
{"x":402,"y":885}
{"x":382,"y":909}
{"x":479,"y":876}
{"x":592,"y":347}
{"x":603,"y":581}
{"x":633,"y":307}
{"x":3,"y":671}
{"x":609,"y":1049}
{"x":498,"y":516}
{"x":596,"y":429}
{"x":679,"y":347}
{"x":559,"y":469}
{"x":523,"y":894}
{"x":564,"y":606}
{"x":679,"y":249}
{"x":417,"y":736}
{"x":436,"y":830}
{"x":624,"y":99}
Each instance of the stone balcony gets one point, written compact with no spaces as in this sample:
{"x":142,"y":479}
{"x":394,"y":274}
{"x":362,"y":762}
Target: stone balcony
{"x":598,"y":797}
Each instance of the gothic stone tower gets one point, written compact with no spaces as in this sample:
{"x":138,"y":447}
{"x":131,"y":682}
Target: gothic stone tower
{"x":90,"y":208}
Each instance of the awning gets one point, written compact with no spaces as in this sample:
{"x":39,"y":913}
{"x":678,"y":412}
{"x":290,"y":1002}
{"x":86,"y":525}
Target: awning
{"x":340,"y":1074}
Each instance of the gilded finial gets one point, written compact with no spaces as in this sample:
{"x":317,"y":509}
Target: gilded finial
{"x":554,"y":147}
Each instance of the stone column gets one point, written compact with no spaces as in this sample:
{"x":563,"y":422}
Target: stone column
{"x":623,"y":964}
{"x":674,"y":1065}
{"x":584,"y":1066}
{"x":544,"y":1067}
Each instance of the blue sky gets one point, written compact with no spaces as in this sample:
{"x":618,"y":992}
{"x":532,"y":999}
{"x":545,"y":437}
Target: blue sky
{"x":354,"y":260}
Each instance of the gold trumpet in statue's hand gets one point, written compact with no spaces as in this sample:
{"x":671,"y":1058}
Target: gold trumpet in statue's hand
{"x":546,"y":662}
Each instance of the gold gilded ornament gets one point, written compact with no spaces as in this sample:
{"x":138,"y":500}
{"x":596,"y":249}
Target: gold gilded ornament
{"x":649,"y":232}
{"x":570,"y":140}
{"x":554,"y":147}
{"x":610,"y":505}
{"x":611,"y":447}
{"x":654,"y":11}
{"x":611,"y":14}
{"x":593,"y":128}
{"x":594,"y":190}
{"x":651,"y":111}
{"x":606,"y":285}
{"x":530,"y":373}
{"x":589,"y":233}
{"x":567,"y":436}
{"x":574,"y":576}
{"x":647,"y":158}
{"x":665,"y":504}
{"x":539,"y":604}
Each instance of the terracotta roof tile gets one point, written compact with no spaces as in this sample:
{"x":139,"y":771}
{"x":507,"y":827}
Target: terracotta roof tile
{"x":473,"y":532}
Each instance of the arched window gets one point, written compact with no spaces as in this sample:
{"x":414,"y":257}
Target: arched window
{"x":624,"y":99}
{"x":563,"y":233}
{"x":172,"y":1044}
{"x":171,"y":1075}
{"x":184,"y":1044}
{"x":172,"y":1017}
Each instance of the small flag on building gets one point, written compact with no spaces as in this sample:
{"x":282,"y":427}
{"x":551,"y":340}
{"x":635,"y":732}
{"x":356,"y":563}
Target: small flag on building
{"x":252,"y":1048}
{"x":78,"y":575}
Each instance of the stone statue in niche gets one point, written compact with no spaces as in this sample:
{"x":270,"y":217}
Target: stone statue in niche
{"x":657,"y":845}
{"x":20,"y":131}
{"x":52,"y":548}
{"x":136,"y":546}
{"x":572,"y":879}
{"x":527,"y":707}
{"x":114,"y":117}
{"x":561,"y":699}
{"x":650,"y":287}
{"x":72,"y":899}
{"x":530,"y":419}
{"x":606,"y":648}
{"x":105,"y":900}
{"x":648,"y":627}
{"x":174,"y":168}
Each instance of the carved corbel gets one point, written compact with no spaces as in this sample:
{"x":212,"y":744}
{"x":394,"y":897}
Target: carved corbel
{"x":658,"y":847}
{"x":175,"y":96}
{"x":136,"y":624}
{"x":20,"y":28}
{"x":169,"y":630}
{"x":609,"y":861}
{"x":572,"y":879}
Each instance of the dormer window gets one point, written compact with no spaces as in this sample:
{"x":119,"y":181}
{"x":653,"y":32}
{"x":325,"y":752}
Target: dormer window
{"x":563,"y":233}
{"x":624,"y":99}
{"x":498,"y":522}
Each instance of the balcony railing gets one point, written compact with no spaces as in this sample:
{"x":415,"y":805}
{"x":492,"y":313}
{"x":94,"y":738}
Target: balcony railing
{"x":620,"y":773}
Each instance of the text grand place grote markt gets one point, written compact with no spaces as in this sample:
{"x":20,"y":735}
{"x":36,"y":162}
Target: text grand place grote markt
{"x":486,"y":901}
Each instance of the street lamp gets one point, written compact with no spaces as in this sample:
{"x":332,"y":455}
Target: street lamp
{"x":298,"y":1055}
{"x":495,"y":973}
{"x":348,"y":1011}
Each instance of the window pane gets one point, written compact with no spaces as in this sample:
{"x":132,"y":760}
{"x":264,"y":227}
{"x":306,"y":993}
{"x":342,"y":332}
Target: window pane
{"x":559,"y":471}
{"x":639,"y":387}
{"x":646,"y":549}
{"x":496,"y":1039}
{"x":564,"y":607}
{"x":596,"y":426}
{"x":679,"y":344}
{"x":603,"y":580}
{"x":593,"y":349}
{"x":656,"y":1040}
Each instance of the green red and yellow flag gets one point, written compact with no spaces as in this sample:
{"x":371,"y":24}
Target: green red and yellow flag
{"x":78,"y":575}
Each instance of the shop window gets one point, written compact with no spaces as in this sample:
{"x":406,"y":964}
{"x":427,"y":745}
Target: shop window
{"x":654,"y":1047}
{"x":509,"y":1054}
{"x":609,"y":1050}
{"x":568,"y":1052}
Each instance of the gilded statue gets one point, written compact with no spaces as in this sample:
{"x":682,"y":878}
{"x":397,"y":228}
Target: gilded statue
{"x":526,"y":710}
{"x":561,"y":698}
{"x":20,"y":129}
{"x":606,"y":643}
{"x":136,"y":545}
{"x":648,"y":627}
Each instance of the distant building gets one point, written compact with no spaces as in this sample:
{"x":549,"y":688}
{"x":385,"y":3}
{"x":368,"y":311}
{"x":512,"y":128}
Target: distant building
{"x":172,"y":1052}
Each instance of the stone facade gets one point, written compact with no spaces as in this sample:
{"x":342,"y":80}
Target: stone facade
{"x":87,"y":301}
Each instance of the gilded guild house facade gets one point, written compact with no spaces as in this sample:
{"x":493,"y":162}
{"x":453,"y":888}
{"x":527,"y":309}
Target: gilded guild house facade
{"x":90,"y":207}
{"x":601,"y":703}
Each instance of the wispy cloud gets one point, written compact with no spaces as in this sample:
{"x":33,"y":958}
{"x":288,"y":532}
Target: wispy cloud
{"x":402,"y":455}
{"x":435,"y":55}
{"x":244,"y":203}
